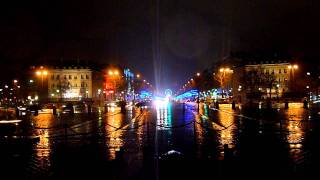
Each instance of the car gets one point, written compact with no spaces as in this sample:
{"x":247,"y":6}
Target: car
{"x":68,"y":108}
{"x":112,"y":103}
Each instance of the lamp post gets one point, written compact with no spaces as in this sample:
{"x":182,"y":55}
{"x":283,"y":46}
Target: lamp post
{"x":113,"y":74}
{"x":42,"y":73}
{"x":292,"y":69}
{"x":198,"y":97}
{"x":223,"y":72}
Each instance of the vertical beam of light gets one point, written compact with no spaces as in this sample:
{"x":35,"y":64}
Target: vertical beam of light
{"x":157,"y":62}
{"x":157,"y":70}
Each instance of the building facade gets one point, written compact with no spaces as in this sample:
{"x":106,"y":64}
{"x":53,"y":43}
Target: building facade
{"x":71,"y":83}
{"x":263,"y":80}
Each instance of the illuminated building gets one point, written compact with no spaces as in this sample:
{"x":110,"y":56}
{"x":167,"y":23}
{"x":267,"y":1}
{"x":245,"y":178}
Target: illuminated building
{"x":73,"y":83}
{"x":270,"y":79}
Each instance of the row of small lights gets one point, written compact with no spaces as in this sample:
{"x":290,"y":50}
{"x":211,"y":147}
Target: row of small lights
{"x":199,"y":74}
{"x":228,"y":70}
{"x":6,"y":86}
{"x":145,"y":81}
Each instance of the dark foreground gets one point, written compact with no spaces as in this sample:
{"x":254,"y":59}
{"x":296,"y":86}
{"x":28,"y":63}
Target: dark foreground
{"x":166,"y":142}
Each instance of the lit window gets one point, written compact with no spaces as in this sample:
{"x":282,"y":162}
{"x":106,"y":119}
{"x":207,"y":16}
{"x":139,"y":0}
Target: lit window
{"x":58,"y":76}
{"x":75,"y":77}
{"x":81,"y":76}
{"x":70,"y":77}
{"x":87,"y":77}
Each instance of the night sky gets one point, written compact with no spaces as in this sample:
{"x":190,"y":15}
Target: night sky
{"x":193,"y":33}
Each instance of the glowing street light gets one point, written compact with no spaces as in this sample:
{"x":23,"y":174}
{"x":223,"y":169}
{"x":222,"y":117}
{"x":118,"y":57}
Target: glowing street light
{"x":113,"y":76}
{"x":295,"y":66}
{"x":15,"y":81}
{"x":42,"y":73}
{"x":138,"y":75}
{"x":198,"y":74}
{"x":292,"y":69}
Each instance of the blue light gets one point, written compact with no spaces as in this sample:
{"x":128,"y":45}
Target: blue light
{"x":168,"y":92}
{"x":145,"y":94}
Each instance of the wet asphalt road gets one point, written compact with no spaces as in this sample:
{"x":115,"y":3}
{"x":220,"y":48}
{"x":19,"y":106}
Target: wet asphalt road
{"x":275,"y":143}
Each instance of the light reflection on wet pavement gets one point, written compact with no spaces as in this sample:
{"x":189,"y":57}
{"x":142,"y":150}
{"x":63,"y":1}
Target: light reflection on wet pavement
{"x":100,"y":138}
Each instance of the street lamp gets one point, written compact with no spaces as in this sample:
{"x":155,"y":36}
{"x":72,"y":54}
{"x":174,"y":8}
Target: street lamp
{"x":113,"y":74}
{"x":292,"y":68}
{"x":41,"y":73}
{"x":222,"y":75}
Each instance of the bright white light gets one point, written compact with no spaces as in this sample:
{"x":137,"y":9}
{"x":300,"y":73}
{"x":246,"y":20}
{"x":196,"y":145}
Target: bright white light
{"x":6,"y":86}
{"x":9,"y":121}
{"x":70,"y":95}
{"x":29,"y":97}
{"x":36,"y":97}
{"x":308,"y":73}
{"x":31,"y":81}
{"x":161,"y":103}
{"x":52,"y":95}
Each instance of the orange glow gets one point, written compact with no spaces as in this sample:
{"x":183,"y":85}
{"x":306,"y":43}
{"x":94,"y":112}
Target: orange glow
{"x":38,"y":73}
{"x":115,"y":138}
{"x":45,"y":73}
